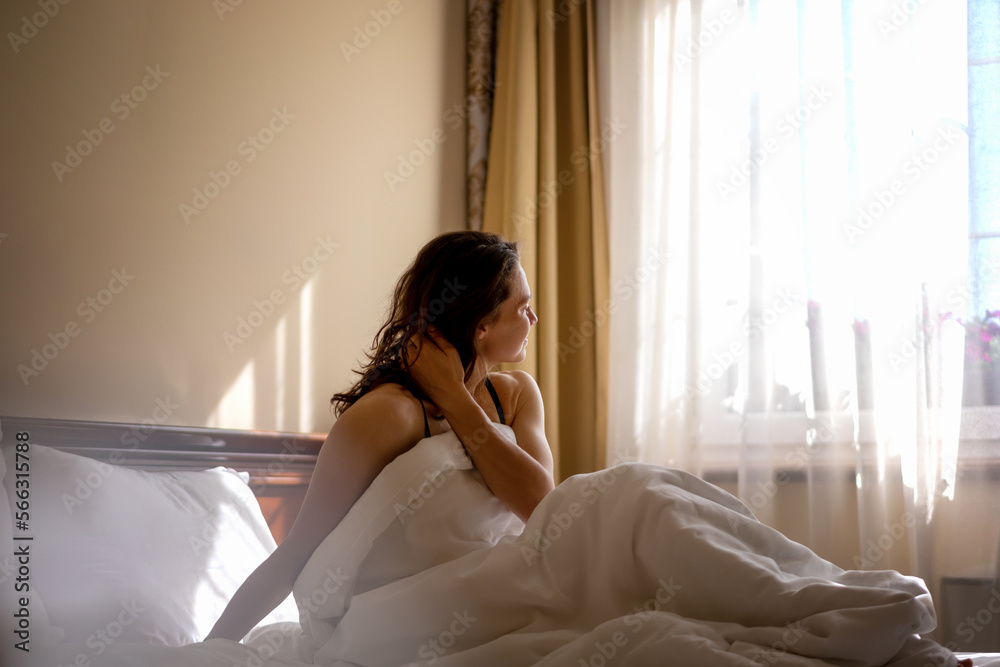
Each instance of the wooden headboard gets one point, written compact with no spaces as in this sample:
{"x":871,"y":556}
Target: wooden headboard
{"x":280,"y":464}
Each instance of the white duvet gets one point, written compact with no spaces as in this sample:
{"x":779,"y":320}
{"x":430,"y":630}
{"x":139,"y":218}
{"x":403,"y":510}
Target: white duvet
{"x":636,"y":565}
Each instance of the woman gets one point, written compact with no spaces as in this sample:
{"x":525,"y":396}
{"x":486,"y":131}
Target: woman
{"x":461,"y":308}
{"x":635,"y":563}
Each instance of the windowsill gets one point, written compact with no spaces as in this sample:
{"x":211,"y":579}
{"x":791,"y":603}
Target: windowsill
{"x":781,"y":441}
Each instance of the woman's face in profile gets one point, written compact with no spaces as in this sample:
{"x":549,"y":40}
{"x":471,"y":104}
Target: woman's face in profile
{"x":506,"y":338}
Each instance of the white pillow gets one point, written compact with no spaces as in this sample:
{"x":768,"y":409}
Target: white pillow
{"x":126,"y":555}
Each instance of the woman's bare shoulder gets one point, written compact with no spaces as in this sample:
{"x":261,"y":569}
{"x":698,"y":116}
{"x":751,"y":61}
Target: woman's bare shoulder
{"x":513,"y":381}
{"x":388,"y":413}
{"x":516,"y":388}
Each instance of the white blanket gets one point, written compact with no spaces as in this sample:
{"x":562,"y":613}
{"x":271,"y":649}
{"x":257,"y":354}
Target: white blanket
{"x":636,"y":565}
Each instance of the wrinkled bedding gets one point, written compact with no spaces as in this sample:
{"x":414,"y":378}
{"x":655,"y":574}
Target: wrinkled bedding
{"x":635,"y":565}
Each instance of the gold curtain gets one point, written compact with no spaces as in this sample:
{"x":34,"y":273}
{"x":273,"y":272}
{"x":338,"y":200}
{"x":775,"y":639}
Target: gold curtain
{"x":544,"y":187}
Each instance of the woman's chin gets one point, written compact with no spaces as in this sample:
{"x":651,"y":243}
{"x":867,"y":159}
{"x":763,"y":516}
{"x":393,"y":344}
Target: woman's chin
{"x":517,"y":356}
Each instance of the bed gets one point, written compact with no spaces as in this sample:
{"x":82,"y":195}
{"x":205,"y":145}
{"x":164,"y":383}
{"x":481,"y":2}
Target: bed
{"x":134,"y":538}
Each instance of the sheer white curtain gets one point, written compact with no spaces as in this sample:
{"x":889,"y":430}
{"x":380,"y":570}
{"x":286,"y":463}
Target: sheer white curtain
{"x":789,"y":228}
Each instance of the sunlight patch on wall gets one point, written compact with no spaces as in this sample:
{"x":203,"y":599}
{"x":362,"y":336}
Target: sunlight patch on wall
{"x":237,"y":408}
{"x":281,"y":345}
{"x":306,"y":356}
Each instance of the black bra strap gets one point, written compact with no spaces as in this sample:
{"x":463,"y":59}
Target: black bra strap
{"x":496,"y":400}
{"x":427,"y":428}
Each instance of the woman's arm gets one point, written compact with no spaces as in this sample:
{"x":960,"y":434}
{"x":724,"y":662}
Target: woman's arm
{"x":518,"y":471}
{"x":378,"y":427}
{"x":262,"y":591}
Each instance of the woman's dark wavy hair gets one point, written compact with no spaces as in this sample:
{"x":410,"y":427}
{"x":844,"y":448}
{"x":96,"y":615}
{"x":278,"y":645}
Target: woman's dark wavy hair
{"x":457,"y":281}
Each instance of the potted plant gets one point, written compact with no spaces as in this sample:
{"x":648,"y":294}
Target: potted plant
{"x":981,"y":384}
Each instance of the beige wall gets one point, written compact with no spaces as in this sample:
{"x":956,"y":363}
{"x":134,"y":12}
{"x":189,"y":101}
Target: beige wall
{"x":269,"y":68}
